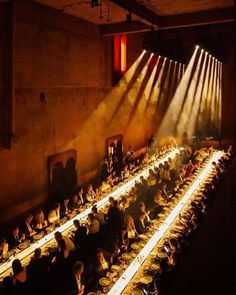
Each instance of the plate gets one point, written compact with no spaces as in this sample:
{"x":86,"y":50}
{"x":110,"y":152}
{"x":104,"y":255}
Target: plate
{"x":24,"y":245}
{"x":104,"y":282}
{"x":7,"y":255}
{"x":154,"y":266}
{"x":38,"y":236}
{"x":115,"y":267}
{"x":137,"y":292}
{"x":50,"y":228}
{"x":161,"y":255}
{"x":135,"y":246}
{"x":126,"y":256}
{"x":146,"y":280}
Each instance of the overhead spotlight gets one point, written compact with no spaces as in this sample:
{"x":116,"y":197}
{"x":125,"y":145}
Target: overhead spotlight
{"x":144,"y":50}
{"x":197,"y":46}
{"x":164,"y":57}
{"x":171,"y":60}
{"x":175,"y":62}
{"x":94,"y":3}
{"x":206,"y":52}
{"x":128,"y":17}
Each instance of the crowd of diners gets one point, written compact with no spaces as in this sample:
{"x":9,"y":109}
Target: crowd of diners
{"x":77,"y":263}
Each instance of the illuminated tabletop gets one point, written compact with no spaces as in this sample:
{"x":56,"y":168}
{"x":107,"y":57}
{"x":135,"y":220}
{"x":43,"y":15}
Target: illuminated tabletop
{"x":134,"y":266}
{"x":115,"y":194}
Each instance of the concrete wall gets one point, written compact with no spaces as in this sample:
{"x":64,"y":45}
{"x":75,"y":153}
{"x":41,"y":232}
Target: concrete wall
{"x":70,"y":62}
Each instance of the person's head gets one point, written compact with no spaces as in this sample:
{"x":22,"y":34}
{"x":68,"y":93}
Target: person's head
{"x":15,"y":230}
{"x":62,"y":244}
{"x":39,"y":215}
{"x":57,"y":236}
{"x":16,"y":266}
{"x":128,"y":222}
{"x":37,"y":253}
{"x":164,"y":185}
{"x":90,"y":217}
{"x":78,"y":268}
{"x":75,"y":198}
{"x":99,"y":253}
{"x":76,"y":223}
{"x":29,"y":218}
{"x":66,"y":200}
{"x":111,"y":200}
{"x":116,"y":203}
{"x":80,"y":190}
{"x":142,"y":215}
{"x":56,"y":206}
{"x":3,"y":241}
{"x":173,"y":243}
{"x":90,"y":188}
{"x":123,"y":200}
{"x":141,"y":206}
{"x":158,"y":192}
{"x":94,"y":210}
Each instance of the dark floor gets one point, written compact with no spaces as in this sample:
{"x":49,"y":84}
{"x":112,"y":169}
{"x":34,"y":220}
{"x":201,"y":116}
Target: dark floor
{"x":209,"y":266}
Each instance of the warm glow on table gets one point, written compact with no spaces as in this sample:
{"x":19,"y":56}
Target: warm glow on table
{"x":24,"y":253}
{"x":143,"y":254}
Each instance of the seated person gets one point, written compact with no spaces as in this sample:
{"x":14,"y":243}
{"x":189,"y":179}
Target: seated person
{"x":39,"y":220}
{"x":38,"y":268}
{"x":15,"y":237}
{"x":130,"y":228}
{"x":124,"y":204}
{"x":164,"y":192}
{"x":64,"y":209}
{"x":101,"y":262}
{"x":74,"y":204}
{"x":158,"y":203}
{"x":111,"y":247}
{"x":69,"y":243}
{"x":20,"y":279}
{"x":27,"y":227}
{"x":54,"y":214}
{"x":140,"y":224}
{"x":126,"y":172}
{"x":80,"y":235}
{"x":115,"y":217}
{"x":81,"y":197}
{"x":3,"y":247}
{"x":90,"y":194}
{"x":93,"y":226}
{"x":142,"y":208}
{"x":74,"y":284}
{"x":99,"y":215}
{"x":63,"y":252}
{"x":105,"y":186}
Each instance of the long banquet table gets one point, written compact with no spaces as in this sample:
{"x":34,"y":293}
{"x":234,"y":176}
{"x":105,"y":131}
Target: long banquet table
{"x":4,"y":267}
{"x":123,"y":281}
